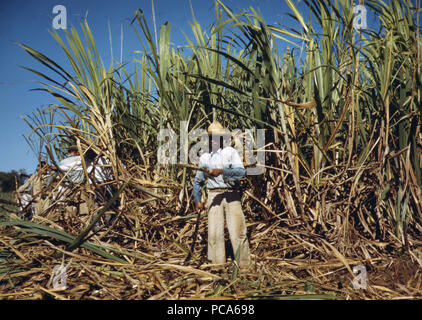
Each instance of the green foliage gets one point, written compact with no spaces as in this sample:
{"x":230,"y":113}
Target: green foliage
{"x":9,"y":179}
{"x":352,"y":103}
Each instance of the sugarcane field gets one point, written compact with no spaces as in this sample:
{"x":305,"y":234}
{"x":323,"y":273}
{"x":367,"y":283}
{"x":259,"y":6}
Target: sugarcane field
{"x":242,"y":160}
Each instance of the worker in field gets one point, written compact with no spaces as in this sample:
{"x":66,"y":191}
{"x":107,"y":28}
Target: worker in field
{"x":30,"y":195}
{"x":225,"y":168}
{"x":98,"y":173}
{"x":24,"y":195}
{"x":72,"y":165}
{"x":97,"y":168}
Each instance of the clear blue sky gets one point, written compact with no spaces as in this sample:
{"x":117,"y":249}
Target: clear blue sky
{"x":29,"y":21}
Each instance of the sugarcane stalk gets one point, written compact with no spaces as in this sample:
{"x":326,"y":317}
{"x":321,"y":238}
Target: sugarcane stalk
{"x":195,"y":235}
{"x":81,"y":238}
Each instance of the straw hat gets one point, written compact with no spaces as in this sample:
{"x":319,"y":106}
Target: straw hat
{"x":217,"y":129}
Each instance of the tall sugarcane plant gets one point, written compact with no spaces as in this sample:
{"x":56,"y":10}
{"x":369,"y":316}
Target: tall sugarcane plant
{"x":342,"y":119}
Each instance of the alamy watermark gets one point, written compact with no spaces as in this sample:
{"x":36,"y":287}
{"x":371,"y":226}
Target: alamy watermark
{"x":60,"y":21}
{"x":359,"y":282}
{"x":59,"y":277}
{"x":360,"y":18}
{"x":250,"y":145}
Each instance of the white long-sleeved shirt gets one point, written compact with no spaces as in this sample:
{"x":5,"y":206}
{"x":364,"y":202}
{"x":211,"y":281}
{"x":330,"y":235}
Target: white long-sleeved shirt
{"x":73,"y":167}
{"x":101,"y":172}
{"x":227,"y":159}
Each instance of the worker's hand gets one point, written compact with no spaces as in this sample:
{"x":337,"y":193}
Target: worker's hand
{"x":199,"y":206}
{"x":216,"y":172}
